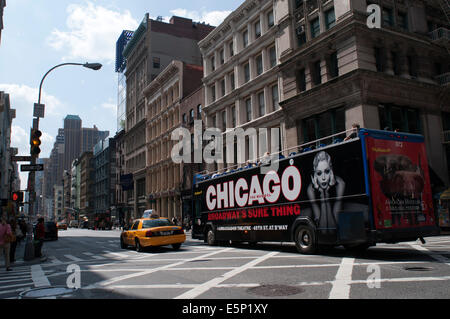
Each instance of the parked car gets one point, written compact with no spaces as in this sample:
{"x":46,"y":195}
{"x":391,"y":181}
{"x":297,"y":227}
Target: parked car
{"x":73,"y":224}
{"x":62,"y":226}
{"x":152,"y":232}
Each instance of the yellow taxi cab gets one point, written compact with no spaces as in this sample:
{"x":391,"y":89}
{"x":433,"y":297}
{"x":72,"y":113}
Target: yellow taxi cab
{"x":152,"y":232}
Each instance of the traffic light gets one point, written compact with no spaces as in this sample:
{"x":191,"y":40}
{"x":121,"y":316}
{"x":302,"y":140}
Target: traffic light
{"x":17,"y":197}
{"x":36,"y":142}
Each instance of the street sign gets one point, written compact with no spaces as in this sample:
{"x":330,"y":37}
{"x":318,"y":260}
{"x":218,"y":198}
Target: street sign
{"x":32,"y":168}
{"x":39,"y":110}
{"x":21,"y":158}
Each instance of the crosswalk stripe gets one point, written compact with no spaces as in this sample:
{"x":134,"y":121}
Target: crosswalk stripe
{"x":73,"y":258}
{"x":94,"y":256}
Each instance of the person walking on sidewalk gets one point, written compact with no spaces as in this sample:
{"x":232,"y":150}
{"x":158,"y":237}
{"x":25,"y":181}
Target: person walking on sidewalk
{"x":39,"y":238}
{"x":13,"y":243}
{"x":5,"y":239}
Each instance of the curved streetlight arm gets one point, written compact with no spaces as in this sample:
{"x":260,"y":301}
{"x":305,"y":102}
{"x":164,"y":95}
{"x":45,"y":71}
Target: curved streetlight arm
{"x":93,"y":66}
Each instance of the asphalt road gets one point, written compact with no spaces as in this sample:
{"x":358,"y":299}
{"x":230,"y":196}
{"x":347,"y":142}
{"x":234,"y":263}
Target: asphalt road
{"x":86,"y":264}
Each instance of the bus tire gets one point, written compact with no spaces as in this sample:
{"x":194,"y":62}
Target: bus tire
{"x":211,"y":237}
{"x":305,"y":239}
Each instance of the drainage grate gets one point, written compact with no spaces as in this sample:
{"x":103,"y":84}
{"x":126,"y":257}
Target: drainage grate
{"x":274,"y":290}
{"x":418,"y":268}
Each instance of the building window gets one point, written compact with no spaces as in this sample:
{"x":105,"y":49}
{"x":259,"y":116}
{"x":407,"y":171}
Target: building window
{"x":224,"y":120}
{"x":257,"y":29}
{"x":402,"y":20}
{"x":301,"y":80}
{"x":315,"y":28}
{"x":233,"y":85}
{"x":412,"y":66}
{"x":156,"y":63}
{"x":316,"y":73}
{"x":301,"y":35}
{"x":246,"y":73}
{"x":275,"y":98}
{"x":213,"y":64}
{"x":298,"y":4}
{"x":388,"y":18}
{"x":222,"y":57}
{"x":191,"y":115}
{"x":270,"y":19}
{"x":395,"y":62}
{"x":233,"y":116}
{"x":199,"y":111}
{"x":245,"y":38}
{"x":323,"y":125}
{"x":261,"y":104}
{"x":259,"y":65}
{"x":213,"y":93}
{"x":330,"y":19}
{"x":333,"y":65}
{"x":231,"y":47}
{"x":273,"y":56}
{"x":184,"y":118}
{"x":379,"y":59}
{"x":248,"y":109}
{"x":222,"y":87}
{"x":404,"y":119}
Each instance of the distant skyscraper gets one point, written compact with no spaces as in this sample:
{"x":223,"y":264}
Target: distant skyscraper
{"x":72,"y":139}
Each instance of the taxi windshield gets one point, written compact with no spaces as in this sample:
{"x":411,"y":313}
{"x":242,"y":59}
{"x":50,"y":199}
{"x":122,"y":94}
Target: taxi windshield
{"x":155,"y":223}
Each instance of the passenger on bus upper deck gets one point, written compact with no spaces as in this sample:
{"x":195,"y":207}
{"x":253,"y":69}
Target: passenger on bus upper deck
{"x":354,"y":134}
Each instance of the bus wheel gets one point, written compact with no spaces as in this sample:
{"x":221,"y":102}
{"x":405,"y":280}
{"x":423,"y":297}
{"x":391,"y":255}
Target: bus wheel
{"x":305,"y":240}
{"x":211,"y":237}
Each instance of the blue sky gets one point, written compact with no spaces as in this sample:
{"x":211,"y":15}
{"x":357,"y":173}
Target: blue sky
{"x":38,"y":35}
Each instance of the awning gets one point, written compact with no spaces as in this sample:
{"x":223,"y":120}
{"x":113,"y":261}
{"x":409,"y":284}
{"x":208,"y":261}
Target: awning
{"x":446,"y":194}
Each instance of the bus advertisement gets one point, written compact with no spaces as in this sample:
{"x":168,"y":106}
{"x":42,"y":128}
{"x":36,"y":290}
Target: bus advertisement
{"x":371,"y":189}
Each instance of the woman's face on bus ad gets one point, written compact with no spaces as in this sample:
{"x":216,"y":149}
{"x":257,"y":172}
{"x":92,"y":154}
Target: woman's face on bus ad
{"x":323,"y":174}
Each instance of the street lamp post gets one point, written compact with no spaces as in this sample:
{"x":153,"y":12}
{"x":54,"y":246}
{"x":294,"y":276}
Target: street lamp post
{"x":34,"y":157}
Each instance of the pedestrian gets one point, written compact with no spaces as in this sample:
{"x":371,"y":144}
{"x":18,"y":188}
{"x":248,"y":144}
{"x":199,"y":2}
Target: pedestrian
{"x":39,"y":237}
{"x":13,"y":243}
{"x":6,"y":236}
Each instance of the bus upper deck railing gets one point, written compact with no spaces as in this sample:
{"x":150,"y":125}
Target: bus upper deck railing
{"x":292,"y":151}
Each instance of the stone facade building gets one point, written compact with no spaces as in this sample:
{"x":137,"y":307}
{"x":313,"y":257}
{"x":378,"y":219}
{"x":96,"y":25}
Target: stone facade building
{"x":164,"y":96}
{"x":154,"y":45}
{"x":328,"y":70}
{"x":241,"y":78}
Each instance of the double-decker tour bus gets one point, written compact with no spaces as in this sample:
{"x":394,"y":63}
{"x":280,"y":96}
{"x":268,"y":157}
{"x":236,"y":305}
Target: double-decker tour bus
{"x":372,"y":188}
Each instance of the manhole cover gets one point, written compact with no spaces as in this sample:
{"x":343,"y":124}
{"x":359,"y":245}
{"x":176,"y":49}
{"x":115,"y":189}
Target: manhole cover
{"x":274,"y":290}
{"x":46,"y":292}
{"x":418,"y":268}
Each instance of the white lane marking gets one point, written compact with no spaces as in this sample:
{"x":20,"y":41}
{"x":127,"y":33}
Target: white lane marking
{"x":432,"y":254}
{"x":107,"y":282}
{"x":341,"y":285}
{"x":73,"y":258}
{"x":94,"y":256}
{"x":197,"y":291}
{"x":38,"y":276}
{"x":116,"y":254}
{"x":55,"y":260}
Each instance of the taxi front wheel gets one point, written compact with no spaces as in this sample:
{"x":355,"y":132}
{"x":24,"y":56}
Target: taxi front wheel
{"x":122,"y":243}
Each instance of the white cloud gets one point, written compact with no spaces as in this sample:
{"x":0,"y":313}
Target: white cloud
{"x":93,"y":32}
{"x":23,"y":97}
{"x":110,"y":107}
{"x":213,"y":18}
